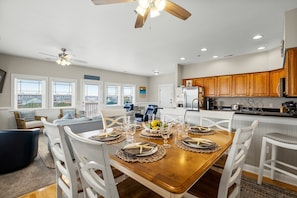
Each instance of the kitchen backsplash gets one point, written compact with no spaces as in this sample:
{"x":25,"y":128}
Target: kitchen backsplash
{"x":256,"y":102}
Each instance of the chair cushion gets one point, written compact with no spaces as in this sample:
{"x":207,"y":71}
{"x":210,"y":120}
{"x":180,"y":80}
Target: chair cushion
{"x":34,"y":124}
{"x":27,"y":115}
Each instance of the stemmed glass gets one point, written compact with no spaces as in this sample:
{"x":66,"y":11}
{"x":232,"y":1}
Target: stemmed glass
{"x":132,"y":131}
{"x":165,"y":131}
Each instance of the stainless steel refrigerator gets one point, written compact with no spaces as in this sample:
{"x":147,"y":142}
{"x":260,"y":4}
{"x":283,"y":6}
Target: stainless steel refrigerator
{"x":193,"y":98}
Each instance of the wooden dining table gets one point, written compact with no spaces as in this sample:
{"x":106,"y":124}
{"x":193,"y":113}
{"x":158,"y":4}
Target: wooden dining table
{"x":177,"y":171}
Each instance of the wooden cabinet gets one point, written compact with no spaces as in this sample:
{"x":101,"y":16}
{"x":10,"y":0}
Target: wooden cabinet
{"x":274,"y":82}
{"x":259,"y":84}
{"x":209,"y":84}
{"x":198,"y":82}
{"x":291,"y":72}
{"x":224,"y":86}
{"x":241,"y":85}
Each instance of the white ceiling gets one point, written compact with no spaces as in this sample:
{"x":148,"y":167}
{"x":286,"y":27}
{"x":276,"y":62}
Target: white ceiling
{"x":104,"y":35}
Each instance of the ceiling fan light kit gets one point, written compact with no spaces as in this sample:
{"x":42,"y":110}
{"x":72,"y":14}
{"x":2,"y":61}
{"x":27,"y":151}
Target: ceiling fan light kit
{"x":63,"y":58}
{"x":152,"y":7}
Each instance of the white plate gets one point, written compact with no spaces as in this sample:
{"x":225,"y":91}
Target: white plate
{"x":194,"y":145}
{"x":146,"y":153}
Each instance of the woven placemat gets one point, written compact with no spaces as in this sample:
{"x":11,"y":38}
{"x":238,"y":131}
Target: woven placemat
{"x":144,"y":159}
{"x":197,"y":150}
{"x":120,"y":139}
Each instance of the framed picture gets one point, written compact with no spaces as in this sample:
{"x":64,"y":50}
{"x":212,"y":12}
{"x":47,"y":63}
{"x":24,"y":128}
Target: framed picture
{"x":2,"y":79}
{"x":142,"y":91}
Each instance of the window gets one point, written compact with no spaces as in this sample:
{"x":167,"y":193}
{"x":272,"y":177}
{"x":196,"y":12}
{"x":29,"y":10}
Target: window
{"x":63,"y":93}
{"x":112,"y":91}
{"x":128,"y":94}
{"x":91,"y":97}
{"x":29,"y":92}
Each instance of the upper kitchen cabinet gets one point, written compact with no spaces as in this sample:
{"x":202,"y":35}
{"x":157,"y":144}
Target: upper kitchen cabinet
{"x":291,"y":72}
{"x":274,"y":82}
{"x":224,"y":86}
{"x":259,"y":84}
{"x":241,"y":85}
{"x":209,"y":84}
{"x":198,"y":82}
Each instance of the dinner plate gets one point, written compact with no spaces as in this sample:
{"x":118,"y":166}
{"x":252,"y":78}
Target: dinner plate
{"x":210,"y":144}
{"x":200,"y":129}
{"x":110,"y":137}
{"x":134,"y":151}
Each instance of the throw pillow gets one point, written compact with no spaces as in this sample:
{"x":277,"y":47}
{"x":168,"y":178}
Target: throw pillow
{"x":67,"y":116}
{"x":27,"y":115}
{"x":69,"y":111}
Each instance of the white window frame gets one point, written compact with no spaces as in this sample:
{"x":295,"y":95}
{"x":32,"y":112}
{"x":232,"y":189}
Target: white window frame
{"x":74,"y":94}
{"x":15,"y":77}
{"x":119,"y":103}
{"x":133,"y":92}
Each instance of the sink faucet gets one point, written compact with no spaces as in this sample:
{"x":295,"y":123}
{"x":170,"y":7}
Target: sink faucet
{"x":193,"y":102}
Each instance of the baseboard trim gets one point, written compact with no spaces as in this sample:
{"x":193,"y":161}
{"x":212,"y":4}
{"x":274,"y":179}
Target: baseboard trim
{"x":278,"y":176}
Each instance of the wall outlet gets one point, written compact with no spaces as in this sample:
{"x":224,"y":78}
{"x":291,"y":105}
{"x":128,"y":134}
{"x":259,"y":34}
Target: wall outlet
{"x":270,"y":105}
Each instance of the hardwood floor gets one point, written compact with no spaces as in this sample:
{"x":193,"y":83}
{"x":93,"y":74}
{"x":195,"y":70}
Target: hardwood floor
{"x":50,"y":191}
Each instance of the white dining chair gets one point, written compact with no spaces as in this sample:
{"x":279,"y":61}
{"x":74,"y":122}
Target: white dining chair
{"x":92,"y":157}
{"x":112,"y":117}
{"x":221,"y":120}
{"x":227,"y":183}
{"x":173,"y":115}
{"x":67,"y":178}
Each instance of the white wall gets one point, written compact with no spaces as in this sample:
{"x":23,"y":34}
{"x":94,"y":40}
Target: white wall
{"x":20,"y":65}
{"x":257,"y":62}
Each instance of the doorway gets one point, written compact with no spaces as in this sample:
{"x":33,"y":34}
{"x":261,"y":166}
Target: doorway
{"x":165,"y":95}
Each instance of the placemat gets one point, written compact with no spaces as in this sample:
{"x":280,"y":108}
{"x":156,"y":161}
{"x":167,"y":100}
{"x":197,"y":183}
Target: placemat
{"x":145,"y":159}
{"x":197,"y":150}
{"x":149,"y":135}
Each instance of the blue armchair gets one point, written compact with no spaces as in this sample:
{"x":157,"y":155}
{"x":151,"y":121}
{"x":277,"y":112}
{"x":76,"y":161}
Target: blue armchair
{"x":18,"y":148}
{"x":151,"y":109}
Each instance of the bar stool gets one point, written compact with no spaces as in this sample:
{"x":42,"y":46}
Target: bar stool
{"x":276,"y":140}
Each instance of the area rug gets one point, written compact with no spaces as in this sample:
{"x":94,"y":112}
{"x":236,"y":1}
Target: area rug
{"x":250,"y":189}
{"x":28,"y":179}
{"x":44,"y":152}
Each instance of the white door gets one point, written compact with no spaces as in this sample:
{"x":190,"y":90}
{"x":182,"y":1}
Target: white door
{"x":165,"y":95}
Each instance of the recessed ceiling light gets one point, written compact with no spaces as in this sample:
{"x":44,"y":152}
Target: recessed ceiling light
{"x":182,"y":58}
{"x":258,"y":36}
{"x":261,"y":48}
{"x":203,"y":49}
{"x":156,"y":72}
{"x":215,"y":56}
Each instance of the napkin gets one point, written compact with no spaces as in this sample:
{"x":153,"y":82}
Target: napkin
{"x":199,"y":142}
{"x":138,"y":148}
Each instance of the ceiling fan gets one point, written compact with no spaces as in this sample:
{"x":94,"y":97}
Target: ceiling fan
{"x":151,"y":7}
{"x":64,"y":58}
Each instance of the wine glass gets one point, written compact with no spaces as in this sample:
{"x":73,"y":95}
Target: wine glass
{"x":165,"y":131}
{"x":131,"y":131}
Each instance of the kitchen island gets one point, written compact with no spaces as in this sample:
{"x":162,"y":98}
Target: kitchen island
{"x":268,"y":122}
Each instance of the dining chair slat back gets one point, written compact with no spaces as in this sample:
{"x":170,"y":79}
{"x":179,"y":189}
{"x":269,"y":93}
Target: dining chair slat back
{"x":217,"y":119}
{"x":112,"y":117}
{"x":93,"y":157}
{"x":231,"y":175}
{"x":67,"y":178}
{"x":173,"y":115}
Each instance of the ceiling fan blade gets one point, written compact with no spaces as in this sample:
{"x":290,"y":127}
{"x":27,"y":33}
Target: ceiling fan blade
{"x":102,"y":2}
{"x":140,"y":20}
{"x":79,"y":61}
{"x":47,"y":54}
{"x":176,"y":10}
